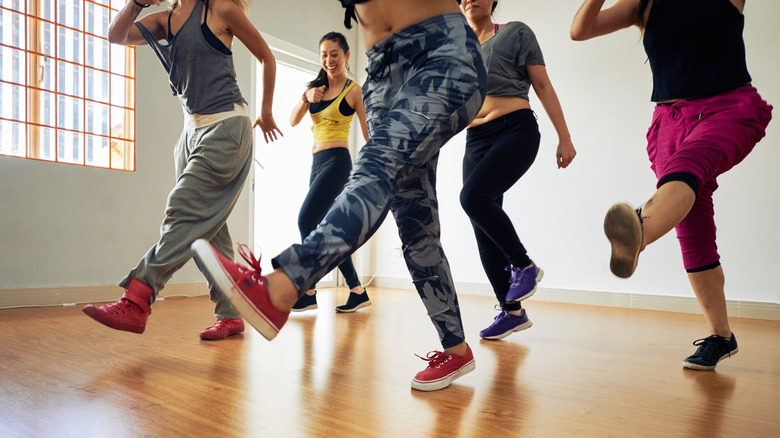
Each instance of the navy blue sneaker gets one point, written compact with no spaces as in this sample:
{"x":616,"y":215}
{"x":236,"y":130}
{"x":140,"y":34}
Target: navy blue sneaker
{"x":305,"y":302}
{"x":712,"y":350}
{"x":523,"y":282}
{"x":505,"y":324}
{"x":355,"y":302}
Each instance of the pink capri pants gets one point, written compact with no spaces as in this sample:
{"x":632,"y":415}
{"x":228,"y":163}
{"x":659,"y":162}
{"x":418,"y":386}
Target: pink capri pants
{"x":704,"y":138}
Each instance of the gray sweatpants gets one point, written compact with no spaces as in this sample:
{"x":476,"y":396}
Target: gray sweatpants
{"x":212,"y":163}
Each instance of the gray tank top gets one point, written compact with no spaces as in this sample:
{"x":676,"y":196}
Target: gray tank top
{"x":506,"y":54}
{"x":203,"y":78}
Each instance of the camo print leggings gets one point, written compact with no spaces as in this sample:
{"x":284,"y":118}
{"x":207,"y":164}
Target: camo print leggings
{"x":426,"y":83}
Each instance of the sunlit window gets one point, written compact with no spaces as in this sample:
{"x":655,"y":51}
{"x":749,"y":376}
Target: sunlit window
{"x":67,"y":94}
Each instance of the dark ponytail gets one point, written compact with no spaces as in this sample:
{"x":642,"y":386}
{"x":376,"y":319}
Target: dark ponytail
{"x":322,"y":76}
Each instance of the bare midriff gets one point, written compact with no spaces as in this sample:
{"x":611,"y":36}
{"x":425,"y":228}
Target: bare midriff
{"x":495,"y":107}
{"x":323,"y":145}
{"x":382,"y":18}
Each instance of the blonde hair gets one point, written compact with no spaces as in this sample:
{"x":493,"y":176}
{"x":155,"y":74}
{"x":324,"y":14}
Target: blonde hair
{"x":245,"y":5}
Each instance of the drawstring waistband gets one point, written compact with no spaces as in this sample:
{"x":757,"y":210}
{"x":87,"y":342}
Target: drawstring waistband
{"x":382,"y":70}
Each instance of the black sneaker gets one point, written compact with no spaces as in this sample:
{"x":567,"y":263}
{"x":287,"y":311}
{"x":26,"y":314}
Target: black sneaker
{"x":712,"y":350}
{"x":355,"y":302}
{"x":305,"y":302}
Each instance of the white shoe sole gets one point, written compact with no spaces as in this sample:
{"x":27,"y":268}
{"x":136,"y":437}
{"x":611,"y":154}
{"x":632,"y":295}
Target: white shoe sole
{"x":204,"y":257}
{"x":445,"y":381}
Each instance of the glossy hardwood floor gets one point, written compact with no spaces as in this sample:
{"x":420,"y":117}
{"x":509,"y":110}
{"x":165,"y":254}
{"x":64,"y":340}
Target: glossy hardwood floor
{"x":580,"y":371}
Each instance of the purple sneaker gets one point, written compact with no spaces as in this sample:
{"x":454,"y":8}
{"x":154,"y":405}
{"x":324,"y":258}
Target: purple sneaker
{"x":505,"y":324}
{"x":523,"y":282}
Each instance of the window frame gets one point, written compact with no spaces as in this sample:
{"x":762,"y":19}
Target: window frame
{"x":112,"y":132}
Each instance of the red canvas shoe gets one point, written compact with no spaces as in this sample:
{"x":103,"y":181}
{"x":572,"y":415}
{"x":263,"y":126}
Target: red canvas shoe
{"x":243,"y":286}
{"x":129,"y":313}
{"x":223,"y":328}
{"x":443,"y":369}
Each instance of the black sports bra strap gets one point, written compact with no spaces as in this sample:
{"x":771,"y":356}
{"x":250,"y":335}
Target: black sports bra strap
{"x":170,"y":35}
{"x":206,"y":13}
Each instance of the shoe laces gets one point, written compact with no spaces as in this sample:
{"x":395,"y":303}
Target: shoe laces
{"x":435,"y":358}
{"x":518,"y":274}
{"x":254,"y":262}
{"x":122,"y":307}
{"x":504,"y":314}
{"x":710,"y":345}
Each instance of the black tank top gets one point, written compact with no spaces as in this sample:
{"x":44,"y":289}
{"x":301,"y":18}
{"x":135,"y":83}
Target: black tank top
{"x":695,"y":48}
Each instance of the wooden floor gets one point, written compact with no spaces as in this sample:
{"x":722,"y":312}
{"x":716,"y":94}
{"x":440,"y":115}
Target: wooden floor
{"x":580,"y":371}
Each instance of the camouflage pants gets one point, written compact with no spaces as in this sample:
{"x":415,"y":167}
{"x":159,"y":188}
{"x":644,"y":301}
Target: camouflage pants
{"x":426,"y":83}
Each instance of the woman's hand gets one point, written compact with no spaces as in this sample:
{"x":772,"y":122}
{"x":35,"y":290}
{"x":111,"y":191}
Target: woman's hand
{"x":314,"y":95}
{"x":267,"y":124}
{"x":565,"y":153}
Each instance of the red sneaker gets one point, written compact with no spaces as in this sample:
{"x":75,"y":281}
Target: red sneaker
{"x":129,"y":313}
{"x":443,"y":369}
{"x":223,"y":328}
{"x":246,"y":289}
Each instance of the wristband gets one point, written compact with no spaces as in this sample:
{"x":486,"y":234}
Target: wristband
{"x":140,"y":5}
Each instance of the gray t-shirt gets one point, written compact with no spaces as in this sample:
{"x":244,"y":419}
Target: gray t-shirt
{"x":506,"y":54}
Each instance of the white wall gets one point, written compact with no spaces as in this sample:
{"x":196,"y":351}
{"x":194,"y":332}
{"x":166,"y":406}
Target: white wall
{"x":604,"y":86}
{"x":65,"y":225}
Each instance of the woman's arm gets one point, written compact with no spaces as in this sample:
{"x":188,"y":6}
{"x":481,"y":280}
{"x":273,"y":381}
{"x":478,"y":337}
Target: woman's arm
{"x":240,"y":26}
{"x":299,"y":111}
{"x":355,"y":100}
{"x":546,"y":93}
{"x":590,"y":21}
{"x":122,"y":31}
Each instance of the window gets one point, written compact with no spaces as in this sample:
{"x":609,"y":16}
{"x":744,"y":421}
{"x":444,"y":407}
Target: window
{"x":67,"y":94}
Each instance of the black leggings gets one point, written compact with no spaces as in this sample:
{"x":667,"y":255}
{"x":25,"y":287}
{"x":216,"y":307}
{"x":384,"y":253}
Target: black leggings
{"x":329,"y":173}
{"x":497,"y":154}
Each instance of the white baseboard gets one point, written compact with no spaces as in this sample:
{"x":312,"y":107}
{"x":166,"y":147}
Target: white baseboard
{"x":736,"y":309}
{"x":70,"y":295}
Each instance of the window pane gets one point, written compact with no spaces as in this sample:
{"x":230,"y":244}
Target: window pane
{"x":41,"y":113}
{"x":69,"y":13}
{"x":97,"y":118}
{"x":13,"y":99}
{"x":41,"y":143}
{"x":11,"y":29}
{"x":97,"y":85}
{"x":12,"y":138}
{"x":97,"y":20}
{"x":42,"y":41}
{"x":117,"y":4}
{"x":122,"y":91}
{"x":122,"y":60}
{"x":97,"y":52}
{"x":70,"y":79}
{"x":41,"y":72}
{"x":120,"y":153}
{"x":122,"y":122}
{"x":98,"y":151}
{"x":70,"y":147}
{"x":69,"y":45}
{"x":17,"y":5}
{"x":12,"y":65}
{"x":69,"y":113}
{"x":41,"y":8}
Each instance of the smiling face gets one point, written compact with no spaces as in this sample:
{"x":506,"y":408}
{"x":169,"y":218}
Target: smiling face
{"x":333,"y":59}
{"x":477,"y":10}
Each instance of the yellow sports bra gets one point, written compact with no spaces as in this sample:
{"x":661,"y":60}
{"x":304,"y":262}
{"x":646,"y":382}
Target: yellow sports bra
{"x":330,"y":124}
